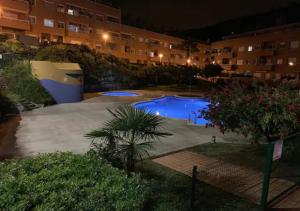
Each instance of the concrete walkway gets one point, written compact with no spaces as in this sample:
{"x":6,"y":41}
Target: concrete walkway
{"x":62,"y":127}
{"x":238,"y":180}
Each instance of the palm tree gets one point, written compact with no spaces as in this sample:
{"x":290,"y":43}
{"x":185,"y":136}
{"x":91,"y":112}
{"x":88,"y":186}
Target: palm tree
{"x":131,"y":133}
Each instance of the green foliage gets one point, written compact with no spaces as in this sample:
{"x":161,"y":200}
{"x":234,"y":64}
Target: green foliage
{"x":22,"y":83}
{"x":64,"y":181}
{"x":130,"y":134}
{"x":255,"y":110}
{"x":6,"y":106}
{"x":212,"y":70}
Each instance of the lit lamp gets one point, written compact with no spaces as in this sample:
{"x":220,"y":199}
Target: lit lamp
{"x":188,"y":61}
{"x":160,"y":57}
{"x":105,"y":37}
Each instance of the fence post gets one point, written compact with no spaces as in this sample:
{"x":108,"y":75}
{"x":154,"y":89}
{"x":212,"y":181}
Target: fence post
{"x":194,"y":180}
{"x":267,"y":175}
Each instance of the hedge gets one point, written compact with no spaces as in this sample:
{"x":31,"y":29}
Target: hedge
{"x":65,"y":181}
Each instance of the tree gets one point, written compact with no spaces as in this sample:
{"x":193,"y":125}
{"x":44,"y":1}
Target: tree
{"x":258,"y":111}
{"x":131,"y":133}
{"x":212,"y":70}
{"x":191,"y":46}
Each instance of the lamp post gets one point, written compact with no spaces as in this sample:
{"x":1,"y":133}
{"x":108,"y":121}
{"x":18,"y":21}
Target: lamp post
{"x":105,"y":37}
{"x":188,"y":62}
{"x":160,"y":57}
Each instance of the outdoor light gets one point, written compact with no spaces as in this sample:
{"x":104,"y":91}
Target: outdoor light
{"x":105,"y":36}
{"x":157,"y":113}
{"x":188,"y":61}
{"x":160,"y":57}
{"x":291,"y":63}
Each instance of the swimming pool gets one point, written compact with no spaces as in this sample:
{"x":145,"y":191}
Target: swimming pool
{"x":120,"y":94}
{"x":185,"y":108}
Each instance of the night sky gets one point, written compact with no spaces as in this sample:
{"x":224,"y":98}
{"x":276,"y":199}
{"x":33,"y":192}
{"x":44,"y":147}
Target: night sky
{"x":186,"y":14}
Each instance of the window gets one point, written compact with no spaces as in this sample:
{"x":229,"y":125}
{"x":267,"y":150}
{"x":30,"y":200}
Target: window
{"x":294,"y":44}
{"x":61,"y":25}
{"x":141,"y":39}
{"x":99,"y":18}
{"x":60,"y":9}
{"x":241,"y":49}
{"x":73,"y":27}
{"x":225,"y":61}
{"x":127,"y":49}
{"x":151,"y":54}
{"x":239,"y":62}
{"x":112,"y":19}
{"x":32,"y":19}
{"x":48,"y":23}
{"x":250,"y":48}
{"x":32,"y":2}
{"x":292,"y":61}
{"x":281,"y":45}
{"x":279,"y":61}
{"x":126,"y":36}
{"x":73,"y":12}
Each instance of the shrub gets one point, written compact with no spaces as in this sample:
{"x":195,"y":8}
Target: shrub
{"x":212,"y":70}
{"x":24,"y":84}
{"x":258,"y":111}
{"x":65,"y":181}
{"x":6,"y":106}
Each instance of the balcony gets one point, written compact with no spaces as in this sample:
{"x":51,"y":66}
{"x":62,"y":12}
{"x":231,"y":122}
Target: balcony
{"x":228,"y":55}
{"x":19,"y":5}
{"x":14,"y":23}
{"x":264,"y":67}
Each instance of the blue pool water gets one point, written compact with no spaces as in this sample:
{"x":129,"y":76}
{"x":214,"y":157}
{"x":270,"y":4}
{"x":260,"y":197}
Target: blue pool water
{"x":176,"y":107}
{"x":120,"y":94}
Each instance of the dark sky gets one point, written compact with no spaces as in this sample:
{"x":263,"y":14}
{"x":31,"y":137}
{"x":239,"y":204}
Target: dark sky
{"x":185,"y":14}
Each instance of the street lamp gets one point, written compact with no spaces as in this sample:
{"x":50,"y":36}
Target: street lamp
{"x":105,"y":37}
{"x":160,"y":57}
{"x":188,"y":61}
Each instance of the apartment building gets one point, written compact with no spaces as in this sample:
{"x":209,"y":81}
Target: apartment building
{"x":95,"y":25}
{"x":271,"y":53}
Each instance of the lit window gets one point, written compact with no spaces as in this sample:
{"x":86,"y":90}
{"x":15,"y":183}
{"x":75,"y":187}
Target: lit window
{"x":294,"y":44}
{"x":241,"y":49}
{"x":280,"y":61}
{"x":170,"y":46}
{"x":250,"y":48}
{"x":292,"y":61}
{"x":71,"y":12}
{"x":239,"y":62}
{"x":48,"y":23}
{"x":151,"y":54}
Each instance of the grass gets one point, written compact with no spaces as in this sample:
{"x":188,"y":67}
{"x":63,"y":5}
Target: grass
{"x":172,"y":190}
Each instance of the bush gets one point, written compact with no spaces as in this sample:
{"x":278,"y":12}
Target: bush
{"x":6,"y":106}
{"x":24,"y":84}
{"x":212,"y":70}
{"x":64,"y":181}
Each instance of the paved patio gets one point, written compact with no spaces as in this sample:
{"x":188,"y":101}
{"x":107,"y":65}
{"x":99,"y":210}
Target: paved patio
{"x":238,"y":180}
{"x":62,"y":127}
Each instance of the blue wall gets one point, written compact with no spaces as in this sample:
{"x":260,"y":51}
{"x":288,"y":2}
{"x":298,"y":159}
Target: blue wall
{"x":63,"y":93}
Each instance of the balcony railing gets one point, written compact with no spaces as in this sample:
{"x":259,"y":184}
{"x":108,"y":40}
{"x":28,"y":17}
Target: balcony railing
{"x":20,"y":5}
{"x":15,"y":23}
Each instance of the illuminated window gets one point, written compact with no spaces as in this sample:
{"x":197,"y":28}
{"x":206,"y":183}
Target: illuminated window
{"x":241,"y":49}
{"x":294,"y":44}
{"x":239,"y":62}
{"x":250,"y":48}
{"x":280,"y":61}
{"x":141,"y":39}
{"x":48,"y":23}
{"x":292,"y":61}
{"x":71,"y":12}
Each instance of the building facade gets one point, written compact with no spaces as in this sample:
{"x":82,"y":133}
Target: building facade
{"x":271,"y":53}
{"x":95,"y":25}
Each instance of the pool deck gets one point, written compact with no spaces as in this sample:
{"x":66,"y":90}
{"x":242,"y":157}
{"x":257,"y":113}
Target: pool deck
{"x":62,"y":127}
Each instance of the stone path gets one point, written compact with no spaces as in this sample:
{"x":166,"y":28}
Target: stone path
{"x":238,"y":180}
